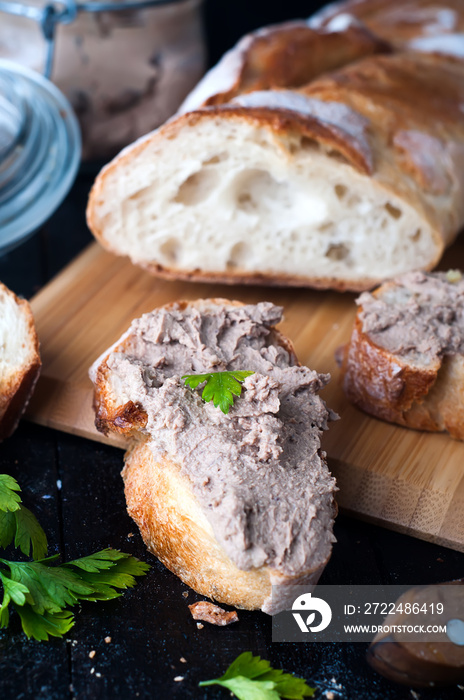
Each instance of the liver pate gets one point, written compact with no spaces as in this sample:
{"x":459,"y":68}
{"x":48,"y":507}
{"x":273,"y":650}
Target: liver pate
{"x":420,"y":316}
{"x":258,"y":472}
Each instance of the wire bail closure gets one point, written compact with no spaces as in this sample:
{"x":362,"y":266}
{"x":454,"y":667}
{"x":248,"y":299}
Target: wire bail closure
{"x":65,"y":12}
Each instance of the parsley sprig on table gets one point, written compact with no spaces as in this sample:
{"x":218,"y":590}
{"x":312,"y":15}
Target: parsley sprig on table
{"x":41,"y":591}
{"x":220,"y":387}
{"x":252,"y":678}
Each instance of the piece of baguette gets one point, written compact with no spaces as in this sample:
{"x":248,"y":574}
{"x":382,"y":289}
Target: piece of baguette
{"x":19,"y":359}
{"x":419,"y":386}
{"x":177,"y":520}
{"x":353,"y":179}
{"x":418,"y":25}
{"x":281,"y":56}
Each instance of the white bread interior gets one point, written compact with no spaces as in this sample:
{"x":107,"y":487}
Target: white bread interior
{"x":19,"y":359}
{"x":229,"y":198}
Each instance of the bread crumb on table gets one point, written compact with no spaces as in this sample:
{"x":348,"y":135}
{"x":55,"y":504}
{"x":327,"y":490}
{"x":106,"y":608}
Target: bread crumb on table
{"x":208,"y":612}
{"x":92,"y":653}
{"x":107,"y":640}
{"x":200,"y":626}
{"x":179,"y":678}
{"x":183,"y":660}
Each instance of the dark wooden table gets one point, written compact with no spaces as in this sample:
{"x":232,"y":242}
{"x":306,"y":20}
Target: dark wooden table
{"x":74,"y":487}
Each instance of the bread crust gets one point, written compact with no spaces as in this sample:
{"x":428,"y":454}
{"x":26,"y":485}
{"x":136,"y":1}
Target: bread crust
{"x":388,"y":387}
{"x":284,"y":55}
{"x":17,"y":387}
{"x":398,"y":23}
{"x":160,"y":500}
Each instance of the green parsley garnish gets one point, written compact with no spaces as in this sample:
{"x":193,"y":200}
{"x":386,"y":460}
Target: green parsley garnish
{"x":18,"y":523}
{"x":40,"y":591}
{"x":252,"y":678}
{"x":220,"y":386}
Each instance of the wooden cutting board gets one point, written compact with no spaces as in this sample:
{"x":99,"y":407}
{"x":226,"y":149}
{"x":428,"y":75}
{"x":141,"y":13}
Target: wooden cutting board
{"x":403,"y":479}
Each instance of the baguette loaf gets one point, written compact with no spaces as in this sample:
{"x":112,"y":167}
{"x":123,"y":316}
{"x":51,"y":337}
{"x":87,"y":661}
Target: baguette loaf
{"x":19,"y":359}
{"x":404,"y":362}
{"x":234,"y":503}
{"x":353,"y":179}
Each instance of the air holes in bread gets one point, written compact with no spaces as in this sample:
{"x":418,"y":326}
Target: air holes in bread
{"x":308,"y":144}
{"x":394,"y":212}
{"x":218,"y":158}
{"x":238,"y":255}
{"x":337,"y":251}
{"x":255,"y":186}
{"x":340,"y":191}
{"x":170,"y":250}
{"x":196,"y":188}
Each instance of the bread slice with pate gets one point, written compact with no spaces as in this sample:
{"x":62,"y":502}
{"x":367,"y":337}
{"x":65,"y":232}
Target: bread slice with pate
{"x":19,"y":359}
{"x":404,"y":362}
{"x":233,"y":503}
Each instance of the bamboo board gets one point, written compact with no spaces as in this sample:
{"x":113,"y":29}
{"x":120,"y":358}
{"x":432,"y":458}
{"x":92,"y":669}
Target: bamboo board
{"x":403,"y":479}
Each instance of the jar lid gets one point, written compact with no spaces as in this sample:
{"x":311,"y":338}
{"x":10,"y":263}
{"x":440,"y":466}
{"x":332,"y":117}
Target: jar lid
{"x":40,"y":149}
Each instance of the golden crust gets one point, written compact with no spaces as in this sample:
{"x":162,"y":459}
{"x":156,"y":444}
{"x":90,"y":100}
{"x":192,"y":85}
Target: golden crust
{"x":260,"y":279}
{"x":16,"y":388}
{"x":174,"y":528}
{"x":292,"y":54}
{"x":388,"y":387}
{"x":398,"y":22}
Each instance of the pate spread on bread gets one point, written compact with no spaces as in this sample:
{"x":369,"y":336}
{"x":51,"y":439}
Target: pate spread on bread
{"x":232,"y":502}
{"x":405,"y":359}
{"x":19,"y":359}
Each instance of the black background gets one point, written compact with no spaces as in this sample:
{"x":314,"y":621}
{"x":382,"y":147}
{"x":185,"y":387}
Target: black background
{"x":151,"y":627}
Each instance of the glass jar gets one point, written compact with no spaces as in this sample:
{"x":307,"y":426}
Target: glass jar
{"x":125,"y":66}
{"x":39,"y":151}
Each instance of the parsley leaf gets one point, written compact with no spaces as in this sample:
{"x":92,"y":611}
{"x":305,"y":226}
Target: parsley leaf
{"x":9,"y":500}
{"x":18,"y":523}
{"x":7,"y":528}
{"x":29,"y":533}
{"x":40,"y":591}
{"x":252,"y":678}
{"x":220,"y":388}
{"x":40,"y":627}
